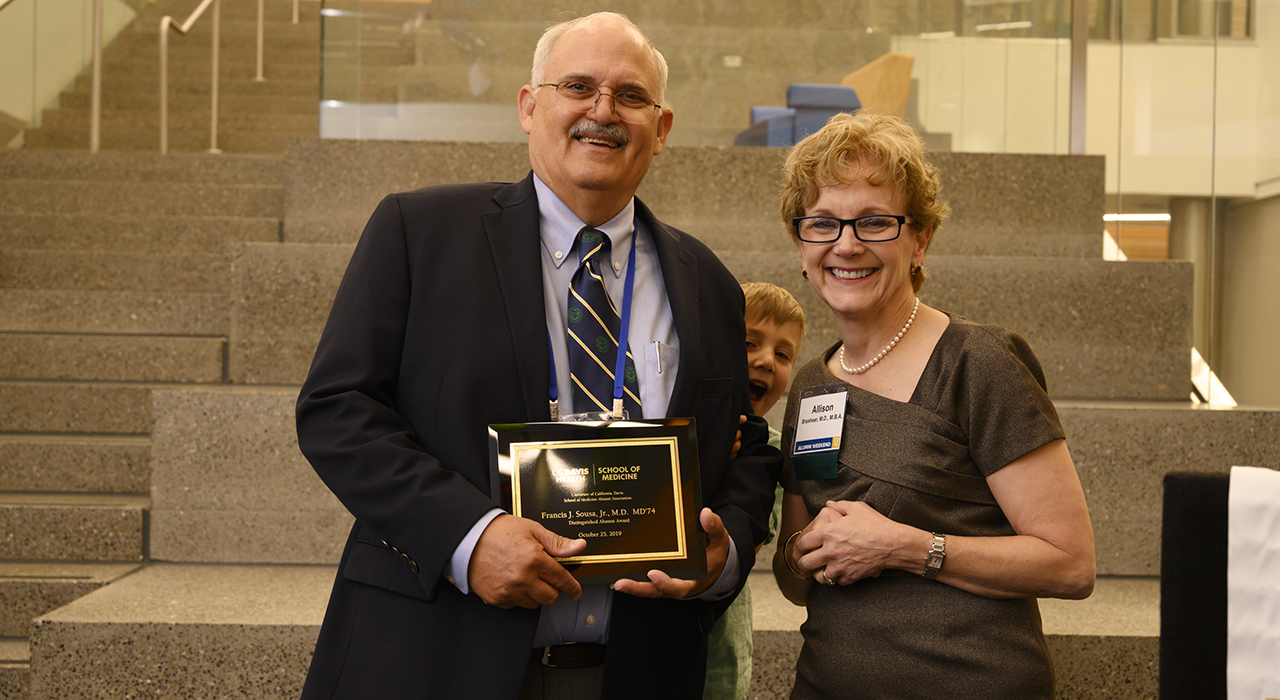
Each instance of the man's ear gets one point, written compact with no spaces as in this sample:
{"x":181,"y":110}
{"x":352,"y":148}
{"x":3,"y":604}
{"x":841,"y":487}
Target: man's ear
{"x":664,"y":129}
{"x":526,"y":101}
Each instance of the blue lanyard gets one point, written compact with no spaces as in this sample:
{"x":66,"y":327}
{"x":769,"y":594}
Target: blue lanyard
{"x":624,"y":333}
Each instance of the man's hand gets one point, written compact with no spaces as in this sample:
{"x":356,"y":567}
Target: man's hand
{"x":512,"y":564}
{"x":737,"y":439}
{"x":661,"y":585}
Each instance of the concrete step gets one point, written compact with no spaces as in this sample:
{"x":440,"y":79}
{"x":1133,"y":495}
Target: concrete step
{"x":277,"y":27}
{"x":388,"y":52}
{"x":1134,"y":346}
{"x":130,"y":85}
{"x":1066,"y":221}
{"x":74,"y":463}
{"x":227,"y":104}
{"x":140,"y":198}
{"x":137,"y":271}
{"x":192,"y":630}
{"x":372,"y":169}
{"x":75,"y":408}
{"x":448,"y":79}
{"x":308,"y":10}
{"x":145,"y":313}
{"x":185,"y":631}
{"x":67,"y":119}
{"x":15,"y":668}
{"x":185,"y":50}
{"x":274,"y":287}
{"x":239,"y":8}
{"x":1131,"y":342}
{"x":31,"y":589}
{"x":240,"y":445}
{"x":295,"y":65}
{"x":148,"y":140}
{"x":238,"y":37}
{"x":112,"y":358}
{"x":73,"y":527}
{"x":76,"y":122}
{"x":196,"y":60}
{"x":142,"y":167}
{"x":91,"y":232}
{"x":1122,"y":452}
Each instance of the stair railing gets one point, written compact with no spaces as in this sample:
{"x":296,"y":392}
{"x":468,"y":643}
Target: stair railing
{"x":95,"y":98}
{"x":165,"y":23}
{"x":259,"y":77}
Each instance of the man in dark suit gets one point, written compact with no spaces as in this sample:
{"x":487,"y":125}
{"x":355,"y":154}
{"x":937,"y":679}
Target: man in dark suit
{"x":441,"y":327}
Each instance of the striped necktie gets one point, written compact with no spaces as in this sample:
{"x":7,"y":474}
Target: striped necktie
{"x":592,"y":329}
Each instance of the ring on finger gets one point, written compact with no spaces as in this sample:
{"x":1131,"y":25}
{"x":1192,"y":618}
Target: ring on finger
{"x":827,"y":580}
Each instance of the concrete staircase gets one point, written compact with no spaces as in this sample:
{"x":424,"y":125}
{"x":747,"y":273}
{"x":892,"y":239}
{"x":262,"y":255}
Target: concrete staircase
{"x":113,"y":274}
{"x":254,"y":116}
{"x":218,"y":541}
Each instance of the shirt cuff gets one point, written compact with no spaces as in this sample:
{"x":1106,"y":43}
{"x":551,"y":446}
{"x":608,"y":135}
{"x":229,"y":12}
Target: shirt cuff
{"x":461,"y":559}
{"x":728,"y":581}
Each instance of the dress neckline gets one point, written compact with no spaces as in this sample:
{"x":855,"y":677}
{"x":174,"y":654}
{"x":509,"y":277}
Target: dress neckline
{"x":930,"y":366}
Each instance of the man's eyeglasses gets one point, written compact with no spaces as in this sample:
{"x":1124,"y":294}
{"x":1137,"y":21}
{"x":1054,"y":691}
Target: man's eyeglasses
{"x":871,"y":229}
{"x":630,"y":106}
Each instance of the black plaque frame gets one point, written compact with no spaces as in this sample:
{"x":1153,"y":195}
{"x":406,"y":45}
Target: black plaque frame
{"x":599,"y":481}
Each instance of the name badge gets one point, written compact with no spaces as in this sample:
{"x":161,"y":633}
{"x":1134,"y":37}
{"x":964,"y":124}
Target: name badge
{"x":819,"y":425}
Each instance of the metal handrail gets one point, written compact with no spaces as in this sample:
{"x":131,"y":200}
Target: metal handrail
{"x":259,"y":77}
{"x":165,"y":23}
{"x":95,"y":98}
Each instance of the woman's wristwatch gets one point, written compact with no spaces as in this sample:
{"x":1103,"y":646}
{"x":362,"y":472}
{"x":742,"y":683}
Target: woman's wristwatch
{"x":937,"y":554}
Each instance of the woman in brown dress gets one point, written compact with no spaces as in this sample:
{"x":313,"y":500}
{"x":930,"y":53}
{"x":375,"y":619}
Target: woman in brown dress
{"x":921,"y":536}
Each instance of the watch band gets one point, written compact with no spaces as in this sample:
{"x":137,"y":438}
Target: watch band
{"x":937,"y":554}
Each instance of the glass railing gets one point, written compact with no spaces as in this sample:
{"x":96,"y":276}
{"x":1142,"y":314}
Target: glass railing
{"x":993,"y":77}
{"x":44,"y":45}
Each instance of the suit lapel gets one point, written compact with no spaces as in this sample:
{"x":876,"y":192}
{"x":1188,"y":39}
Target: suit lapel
{"x":514,"y":241}
{"x":680,"y":277}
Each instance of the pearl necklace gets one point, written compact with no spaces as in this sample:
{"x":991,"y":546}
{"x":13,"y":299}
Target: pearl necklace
{"x":887,"y":348}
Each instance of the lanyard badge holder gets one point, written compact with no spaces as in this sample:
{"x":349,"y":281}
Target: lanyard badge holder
{"x":620,"y":364}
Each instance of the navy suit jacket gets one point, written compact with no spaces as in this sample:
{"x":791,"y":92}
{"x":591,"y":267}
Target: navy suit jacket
{"x":438,"y":329}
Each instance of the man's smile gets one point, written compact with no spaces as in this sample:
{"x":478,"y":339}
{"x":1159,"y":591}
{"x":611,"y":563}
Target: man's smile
{"x":607,"y":135}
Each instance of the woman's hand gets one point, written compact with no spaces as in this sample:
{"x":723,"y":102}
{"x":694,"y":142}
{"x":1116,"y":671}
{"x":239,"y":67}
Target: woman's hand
{"x":850,"y":540}
{"x":1050,"y":556}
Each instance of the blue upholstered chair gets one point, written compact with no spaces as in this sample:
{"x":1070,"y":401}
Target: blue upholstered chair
{"x":809,"y":106}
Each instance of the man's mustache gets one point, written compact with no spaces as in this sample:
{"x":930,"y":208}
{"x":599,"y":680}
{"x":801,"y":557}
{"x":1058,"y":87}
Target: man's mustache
{"x":595,"y":129}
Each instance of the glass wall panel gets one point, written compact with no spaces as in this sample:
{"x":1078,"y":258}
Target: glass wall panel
{"x":979,"y":75}
{"x":1180,"y":104}
{"x":44,"y":45}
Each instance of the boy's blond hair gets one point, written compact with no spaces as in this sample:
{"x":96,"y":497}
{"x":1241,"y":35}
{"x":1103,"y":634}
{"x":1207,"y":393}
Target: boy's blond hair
{"x":773,"y":303}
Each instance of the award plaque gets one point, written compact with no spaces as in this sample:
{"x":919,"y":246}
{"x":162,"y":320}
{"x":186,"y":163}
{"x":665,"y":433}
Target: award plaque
{"x":630,"y":489}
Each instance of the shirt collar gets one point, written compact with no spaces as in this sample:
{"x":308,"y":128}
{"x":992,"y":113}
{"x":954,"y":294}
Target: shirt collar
{"x":560,"y":226}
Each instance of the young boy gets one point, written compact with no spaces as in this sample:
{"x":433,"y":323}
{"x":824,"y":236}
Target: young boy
{"x":775,"y":327}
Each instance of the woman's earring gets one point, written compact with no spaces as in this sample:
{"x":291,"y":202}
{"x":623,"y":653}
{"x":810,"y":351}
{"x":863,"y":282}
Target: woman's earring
{"x":804,"y":273}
